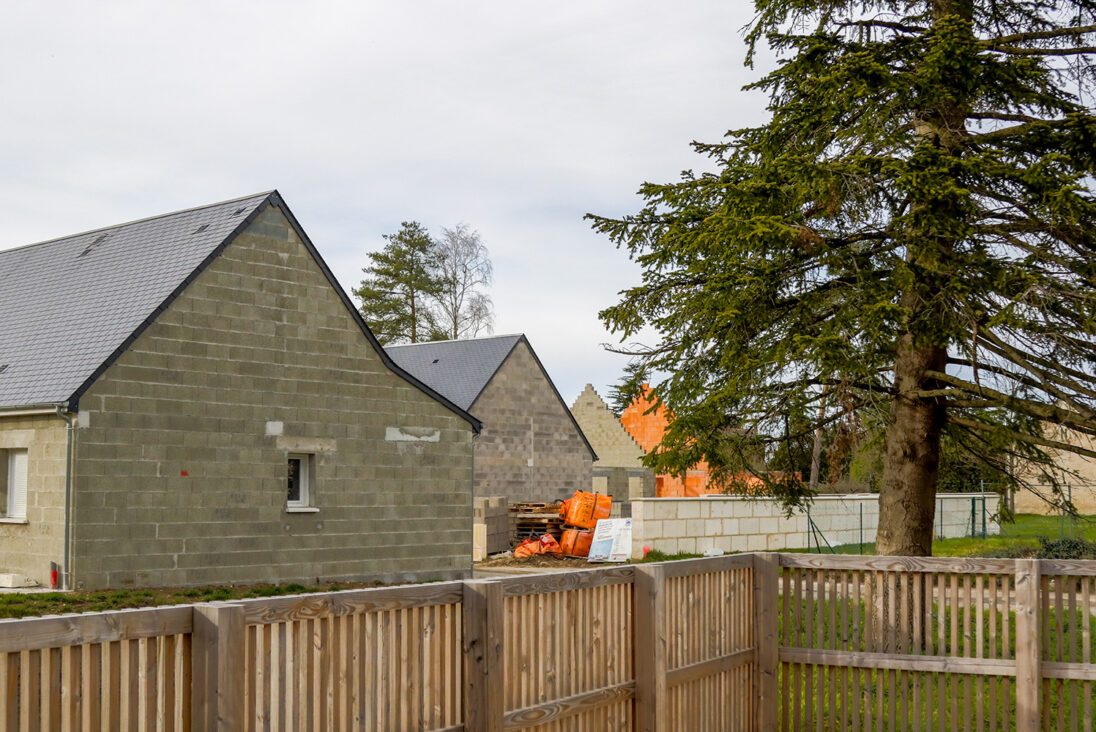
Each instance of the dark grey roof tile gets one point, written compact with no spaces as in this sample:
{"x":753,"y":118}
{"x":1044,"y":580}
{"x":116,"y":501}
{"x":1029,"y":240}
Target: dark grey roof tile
{"x":67,"y":304}
{"x":458,"y":370}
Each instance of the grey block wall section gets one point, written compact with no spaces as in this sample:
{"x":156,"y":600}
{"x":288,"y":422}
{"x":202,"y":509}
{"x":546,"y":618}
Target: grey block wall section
{"x":27,"y":548}
{"x":182,"y":444}
{"x":529,"y":449}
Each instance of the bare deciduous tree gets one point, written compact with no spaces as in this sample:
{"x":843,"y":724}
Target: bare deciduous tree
{"x":464,"y":308}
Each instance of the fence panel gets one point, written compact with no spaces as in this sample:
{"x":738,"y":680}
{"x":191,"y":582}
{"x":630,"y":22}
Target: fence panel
{"x":710,"y":643}
{"x":897,"y":644}
{"x":382,"y":659}
{"x":726,"y":643}
{"x":1067,"y":594}
{"x":124,"y":669}
{"x":568,"y":658}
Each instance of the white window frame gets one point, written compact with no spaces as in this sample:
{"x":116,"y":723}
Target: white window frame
{"x":307,"y":477}
{"x":16,"y":467}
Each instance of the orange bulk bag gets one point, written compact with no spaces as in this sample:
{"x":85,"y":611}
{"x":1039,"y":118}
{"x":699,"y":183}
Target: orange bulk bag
{"x":576,"y":543}
{"x":527,"y":548}
{"x":585,"y":509}
{"x":532,"y":547}
{"x":549,"y":545}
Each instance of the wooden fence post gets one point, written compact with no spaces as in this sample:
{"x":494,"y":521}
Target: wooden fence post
{"x":652,"y":708}
{"x":218,"y":647}
{"x":1029,"y":646}
{"x":483,"y":621}
{"x":766,"y":588}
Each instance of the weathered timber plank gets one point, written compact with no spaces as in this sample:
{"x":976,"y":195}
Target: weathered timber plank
{"x":1029,"y":649}
{"x":58,"y":631}
{"x":711,"y":667}
{"x":956,"y":565}
{"x":218,"y":646}
{"x":1068,"y":670}
{"x":703,"y":565}
{"x":483,"y":648}
{"x":1077,"y":568}
{"x":349,"y":602}
{"x":563,"y":581}
{"x":652,"y":708}
{"x":766,"y":588}
{"x":563,"y":708}
{"x":900,"y":662}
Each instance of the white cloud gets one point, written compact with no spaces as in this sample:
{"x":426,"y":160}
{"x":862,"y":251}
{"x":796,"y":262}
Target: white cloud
{"x":515,"y":118}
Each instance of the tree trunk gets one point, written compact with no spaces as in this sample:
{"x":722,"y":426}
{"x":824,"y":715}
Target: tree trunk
{"x":907,"y":498}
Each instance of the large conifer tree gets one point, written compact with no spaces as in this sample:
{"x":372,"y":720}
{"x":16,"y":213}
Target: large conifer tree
{"x":912,"y":234}
{"x":400,"y":286}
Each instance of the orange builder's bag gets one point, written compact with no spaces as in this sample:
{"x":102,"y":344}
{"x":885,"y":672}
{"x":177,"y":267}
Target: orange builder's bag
{"x":585,"y":509}
{"x":576,"y":543}
{"x":546,"y":544}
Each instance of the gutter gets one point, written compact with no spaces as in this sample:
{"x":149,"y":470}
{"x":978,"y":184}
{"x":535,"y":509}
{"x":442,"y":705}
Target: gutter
{"x":65,"y":582}
{"x":31,"y":411}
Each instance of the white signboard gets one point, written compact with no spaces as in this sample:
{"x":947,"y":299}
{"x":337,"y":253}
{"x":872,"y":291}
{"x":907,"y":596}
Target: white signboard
{"x":612,"y":541}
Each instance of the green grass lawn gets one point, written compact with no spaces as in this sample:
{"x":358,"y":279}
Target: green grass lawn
{"x":1015,"y":537}
{"x":27,"y":604}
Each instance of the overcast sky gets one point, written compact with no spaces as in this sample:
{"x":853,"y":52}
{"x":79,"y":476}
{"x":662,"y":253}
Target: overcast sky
{"x":513,"y":117}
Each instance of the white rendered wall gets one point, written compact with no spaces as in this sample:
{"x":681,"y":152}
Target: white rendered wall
{"x":739,"y":524}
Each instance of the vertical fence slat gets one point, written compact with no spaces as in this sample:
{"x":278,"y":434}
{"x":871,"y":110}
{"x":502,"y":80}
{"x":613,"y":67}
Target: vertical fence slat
{"x":766,"y":588}
{"x":483,"y":648}
{"x":652,"y":713}
{"x":218,"y":647}
{"x":1029,"y":652}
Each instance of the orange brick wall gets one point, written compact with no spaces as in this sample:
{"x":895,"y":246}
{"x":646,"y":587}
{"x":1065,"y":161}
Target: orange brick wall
{"x":647,"y":430}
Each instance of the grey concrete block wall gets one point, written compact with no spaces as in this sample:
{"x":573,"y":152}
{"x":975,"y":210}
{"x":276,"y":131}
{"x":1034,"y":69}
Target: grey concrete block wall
{"x":182,"y":451}
{"x":27,"y":548}
{"x":529,"y":449}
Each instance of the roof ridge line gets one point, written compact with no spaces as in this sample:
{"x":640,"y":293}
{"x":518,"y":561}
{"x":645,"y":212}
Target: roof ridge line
{"x":136,"y":221}
{"x":455,"y":340}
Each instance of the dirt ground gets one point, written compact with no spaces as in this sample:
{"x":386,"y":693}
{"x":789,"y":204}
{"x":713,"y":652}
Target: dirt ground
{"x":541,"y":560}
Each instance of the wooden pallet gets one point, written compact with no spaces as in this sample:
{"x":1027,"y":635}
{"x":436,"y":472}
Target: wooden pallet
{"x":534,"y":507}
{"x":521,"y":535}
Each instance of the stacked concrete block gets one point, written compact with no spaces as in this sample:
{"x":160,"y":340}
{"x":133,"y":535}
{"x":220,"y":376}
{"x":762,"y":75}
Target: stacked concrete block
{"x":494,"y":515}
{"x":740,"y":524}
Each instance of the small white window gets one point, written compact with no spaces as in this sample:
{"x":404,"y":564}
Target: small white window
{"x":300,"y":483}
{"x":13,"y":480}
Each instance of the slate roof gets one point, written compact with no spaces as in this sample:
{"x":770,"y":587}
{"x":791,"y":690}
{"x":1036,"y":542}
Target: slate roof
{"x":67,"y":304}
{"x":70,"y":306}
{"x":461,"y":370}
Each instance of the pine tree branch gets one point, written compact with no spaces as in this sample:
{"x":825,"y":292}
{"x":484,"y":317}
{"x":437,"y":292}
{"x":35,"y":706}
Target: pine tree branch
{"x":1020,"y":436}
{"x":1040,"y":35}
{"x":1068,"y":51}
{"x":1003,"y":116}
{"x":1041,"y":367}
{"x":891,"y":25}
{"x":1047,"y":412}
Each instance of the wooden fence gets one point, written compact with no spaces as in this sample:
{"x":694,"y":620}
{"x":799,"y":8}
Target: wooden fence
{"x":742,"y":642}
